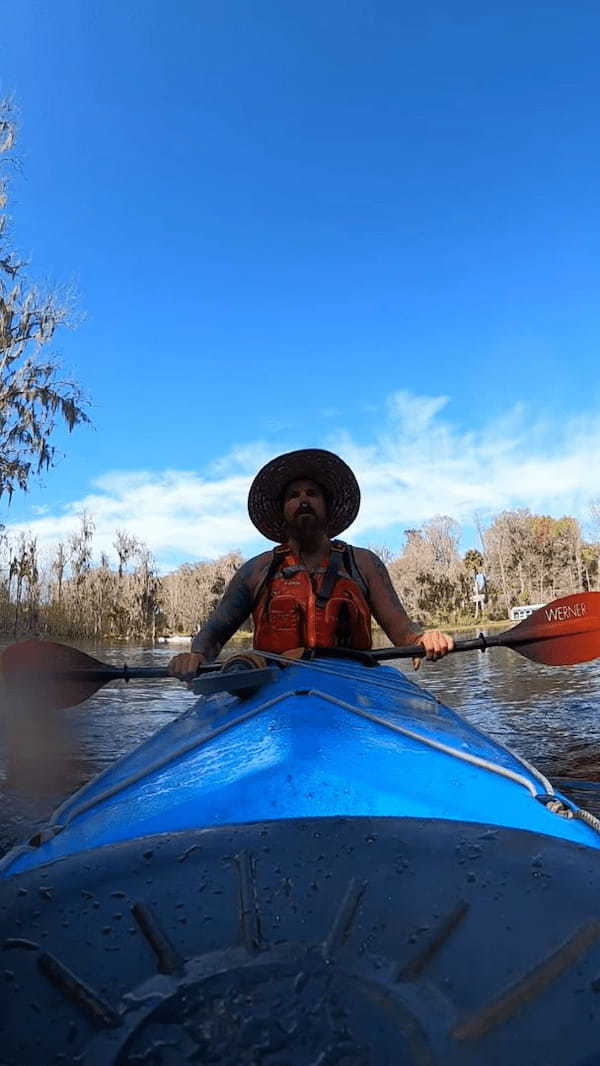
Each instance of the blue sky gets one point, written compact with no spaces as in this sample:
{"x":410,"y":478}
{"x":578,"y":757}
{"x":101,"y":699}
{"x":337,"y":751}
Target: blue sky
{"x":366,"y":226}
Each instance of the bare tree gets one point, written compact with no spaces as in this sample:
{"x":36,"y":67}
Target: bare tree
{"x":125,"y":546}
{"x":33,"y":395}
{"x":58,"y":568}
{"x":429,"y":575}
{"x":385,"y":554}
{"x":595,"y":512}
{"x":145,"y":593}
{"x":80,"y":559}
{"x":190,"y":593}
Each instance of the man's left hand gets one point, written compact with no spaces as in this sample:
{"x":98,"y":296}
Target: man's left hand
{"x":436,"y":644}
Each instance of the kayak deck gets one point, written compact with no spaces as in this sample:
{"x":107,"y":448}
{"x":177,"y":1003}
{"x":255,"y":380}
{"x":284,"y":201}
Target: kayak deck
{"x":321,"y":739}
{"x":363,"y":941}
{"x":335,"y":869}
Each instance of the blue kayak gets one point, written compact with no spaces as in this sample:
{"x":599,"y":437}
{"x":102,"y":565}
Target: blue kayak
{"x":324,"y":866}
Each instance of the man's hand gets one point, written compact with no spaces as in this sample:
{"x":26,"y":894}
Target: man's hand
{"x":436,"y":645}
{"x":185,"y":666}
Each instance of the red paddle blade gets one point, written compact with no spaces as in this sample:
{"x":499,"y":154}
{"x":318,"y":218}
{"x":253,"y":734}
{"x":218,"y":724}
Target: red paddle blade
{"x":562,"y":633}
{"x":29,"y":670}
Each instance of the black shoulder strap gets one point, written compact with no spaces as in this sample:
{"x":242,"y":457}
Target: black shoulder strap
{"x":278,"y":555}
{"x":354,"y":570}
{"x":332,"y":572}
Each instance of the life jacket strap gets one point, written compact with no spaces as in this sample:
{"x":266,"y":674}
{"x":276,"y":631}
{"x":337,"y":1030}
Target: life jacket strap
{"x":332,"y":573}
{"x":277,"y":557}
{"x":354,"y":570}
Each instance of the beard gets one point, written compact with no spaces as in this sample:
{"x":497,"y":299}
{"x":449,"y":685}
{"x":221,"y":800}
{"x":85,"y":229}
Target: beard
{"x":307,"y":528}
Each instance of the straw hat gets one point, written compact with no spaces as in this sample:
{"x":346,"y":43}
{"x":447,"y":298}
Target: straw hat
{"x":327,"y":469}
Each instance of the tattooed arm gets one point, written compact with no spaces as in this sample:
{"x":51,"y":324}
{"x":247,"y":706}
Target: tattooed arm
{"x":384,"y":602}
{"x":229,"y":614}
{"x":388,"y":611}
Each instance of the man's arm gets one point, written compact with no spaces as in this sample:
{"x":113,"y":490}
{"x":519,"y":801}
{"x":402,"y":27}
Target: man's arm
{"x":230,"y":613}
{"x":388,"y":611}
{"x":385,"y":604}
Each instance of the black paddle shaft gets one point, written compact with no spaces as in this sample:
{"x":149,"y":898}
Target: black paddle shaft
{"x":479,"y":643}
{"x":119,"y":673}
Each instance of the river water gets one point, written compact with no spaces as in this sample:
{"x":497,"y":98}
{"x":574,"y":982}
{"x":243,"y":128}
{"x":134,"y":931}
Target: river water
{"x":548,"y":714}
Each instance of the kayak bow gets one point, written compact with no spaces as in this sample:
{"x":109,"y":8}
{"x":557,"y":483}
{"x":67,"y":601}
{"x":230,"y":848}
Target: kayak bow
{"x":332,"y":868}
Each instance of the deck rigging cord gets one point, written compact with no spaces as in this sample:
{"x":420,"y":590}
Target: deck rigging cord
{"x":557,"y":805}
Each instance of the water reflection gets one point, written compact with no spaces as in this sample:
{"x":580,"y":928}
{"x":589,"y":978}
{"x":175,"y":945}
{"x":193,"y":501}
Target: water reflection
{"x":81,"y":741}
{"x":547,"y":714}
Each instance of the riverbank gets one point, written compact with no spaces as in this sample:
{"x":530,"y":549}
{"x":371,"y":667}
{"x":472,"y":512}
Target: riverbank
{"x":476,"y":627}
{"x":244,"y":636}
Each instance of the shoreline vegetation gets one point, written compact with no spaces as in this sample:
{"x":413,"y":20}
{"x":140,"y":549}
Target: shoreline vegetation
{"x":74,"y":594}
{"x":243,"y":636}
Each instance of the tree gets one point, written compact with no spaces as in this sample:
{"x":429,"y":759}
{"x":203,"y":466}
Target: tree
{"x":33,"y":395}
{"x":385,"y":554}
{"x":24,"y":570}
{"x":473,"y":561}
{"x":429,"y":575}
{"x":595,"y":512}
{"x":511,"y":556}
{"x":589,"y":562}
{"x":125,"y":546}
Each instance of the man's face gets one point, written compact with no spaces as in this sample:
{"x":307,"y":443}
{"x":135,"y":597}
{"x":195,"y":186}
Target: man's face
{"x":304,"y":507}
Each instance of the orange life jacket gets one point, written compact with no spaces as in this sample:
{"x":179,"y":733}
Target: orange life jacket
{"x":326,"y":610}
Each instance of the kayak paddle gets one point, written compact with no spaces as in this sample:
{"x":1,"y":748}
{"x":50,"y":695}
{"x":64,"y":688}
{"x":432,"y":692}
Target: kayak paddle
{"x":57,"y":675}
{"x":562,"y":633}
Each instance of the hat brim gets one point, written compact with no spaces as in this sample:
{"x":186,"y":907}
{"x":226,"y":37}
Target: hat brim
{"x":327,"y":469}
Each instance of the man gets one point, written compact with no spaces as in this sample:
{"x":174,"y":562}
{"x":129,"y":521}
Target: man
{"x":312,"y":591}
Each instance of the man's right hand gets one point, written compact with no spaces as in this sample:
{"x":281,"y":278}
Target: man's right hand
{"x":186,"y":665}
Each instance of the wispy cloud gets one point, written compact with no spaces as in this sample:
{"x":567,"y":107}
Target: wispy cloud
{"x":418,"y":463}
{"x":421,"y":463}
{"x":179,"y":514}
